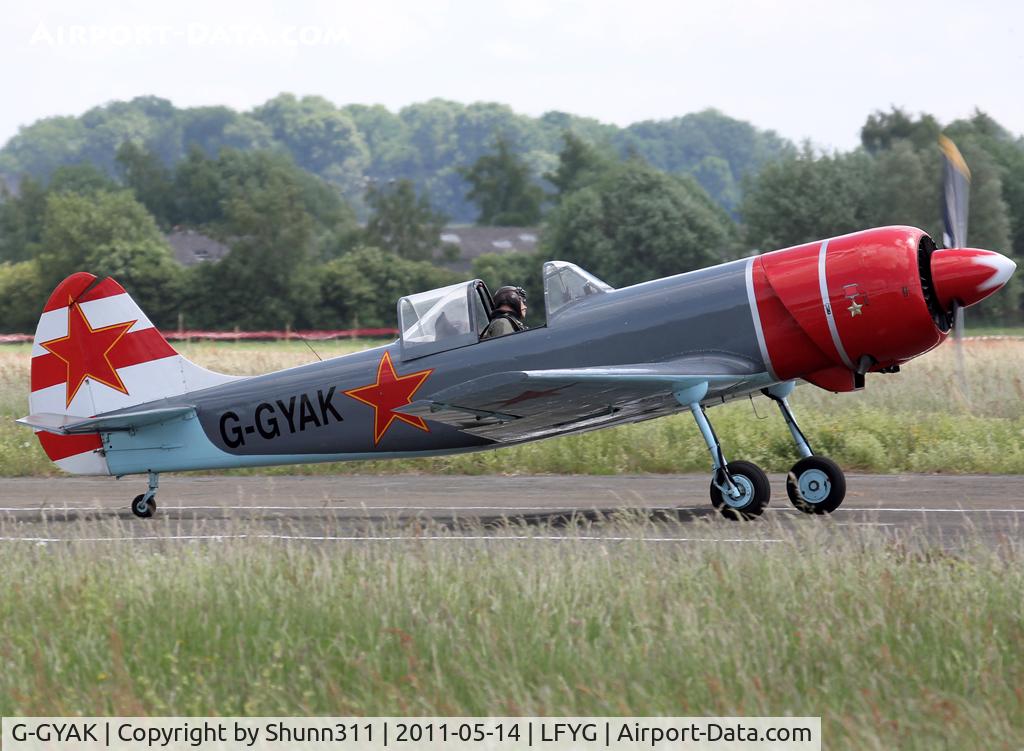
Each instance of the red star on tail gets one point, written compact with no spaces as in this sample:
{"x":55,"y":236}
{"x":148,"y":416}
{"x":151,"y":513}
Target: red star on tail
{"x":86,"y":351}
{"x":387,"y":394}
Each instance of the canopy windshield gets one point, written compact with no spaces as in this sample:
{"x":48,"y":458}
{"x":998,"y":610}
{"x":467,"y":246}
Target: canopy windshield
{"x":566,"y":284}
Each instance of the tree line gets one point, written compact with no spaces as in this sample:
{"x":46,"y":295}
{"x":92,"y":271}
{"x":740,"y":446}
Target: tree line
{"x":626,"y":221}
{"x":297,"y":256}
{"x":300,"y":257}
{"x":427,"y":143}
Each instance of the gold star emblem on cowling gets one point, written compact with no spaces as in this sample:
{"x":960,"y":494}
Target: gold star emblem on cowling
{"x":855,"y":309}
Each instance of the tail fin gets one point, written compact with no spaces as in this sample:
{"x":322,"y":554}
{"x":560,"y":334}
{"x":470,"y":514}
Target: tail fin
{"x":95,"y":351}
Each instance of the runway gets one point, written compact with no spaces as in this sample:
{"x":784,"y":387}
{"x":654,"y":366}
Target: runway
{"x":934,"y":509}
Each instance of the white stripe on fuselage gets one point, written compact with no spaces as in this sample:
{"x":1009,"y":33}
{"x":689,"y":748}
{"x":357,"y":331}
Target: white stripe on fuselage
{"x":823,"y":284}
{"x":755,"y":313}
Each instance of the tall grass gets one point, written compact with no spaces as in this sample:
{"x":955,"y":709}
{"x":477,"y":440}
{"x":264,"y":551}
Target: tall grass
{"x":894,"y":646}
{"x":919,"y":420}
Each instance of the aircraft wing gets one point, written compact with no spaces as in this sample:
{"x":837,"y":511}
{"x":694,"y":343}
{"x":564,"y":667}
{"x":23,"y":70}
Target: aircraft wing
{"x":72,"y":425}
{"x":515,"y":405}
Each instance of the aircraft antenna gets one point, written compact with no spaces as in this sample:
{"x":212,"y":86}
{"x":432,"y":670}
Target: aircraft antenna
{"x":306,"y":341}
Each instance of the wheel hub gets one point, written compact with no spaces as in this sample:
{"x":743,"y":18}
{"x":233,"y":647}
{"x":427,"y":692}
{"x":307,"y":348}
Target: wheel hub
{"x":814,"y":486}
{"x":746,"y":488}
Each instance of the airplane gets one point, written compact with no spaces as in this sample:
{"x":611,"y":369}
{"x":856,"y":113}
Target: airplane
{"x":110,"y":396}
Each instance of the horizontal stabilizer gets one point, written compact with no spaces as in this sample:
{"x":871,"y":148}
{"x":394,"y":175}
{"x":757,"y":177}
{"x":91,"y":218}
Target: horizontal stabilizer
{"x":72,"y":425}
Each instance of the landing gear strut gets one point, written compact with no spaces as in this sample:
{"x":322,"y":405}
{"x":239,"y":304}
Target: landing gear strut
{"x":739,"y":490}
{"x":815,"y":485}
{"x":144,"y":505}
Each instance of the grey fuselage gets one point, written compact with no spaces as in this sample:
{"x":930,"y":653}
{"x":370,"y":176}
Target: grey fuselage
{"x":303,"y":414}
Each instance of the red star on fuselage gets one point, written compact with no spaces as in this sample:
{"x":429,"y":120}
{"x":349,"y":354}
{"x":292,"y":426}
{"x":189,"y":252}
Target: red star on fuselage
{"x":86,"y":352}
{"x":387,"y":394}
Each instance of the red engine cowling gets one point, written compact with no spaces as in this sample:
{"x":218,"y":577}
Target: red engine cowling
{"x":833,"y":310}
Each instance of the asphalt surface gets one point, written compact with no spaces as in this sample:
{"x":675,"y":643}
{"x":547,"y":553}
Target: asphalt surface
{"x":934,"y":509}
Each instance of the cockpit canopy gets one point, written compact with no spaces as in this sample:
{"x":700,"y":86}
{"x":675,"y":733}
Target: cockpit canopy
{"x":443,"y":319}
{"x":456,"y":316}
{"x":565,"y":284}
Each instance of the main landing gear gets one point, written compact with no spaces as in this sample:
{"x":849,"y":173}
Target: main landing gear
{"x":815,"y":485}
{"x":740,"y":490}
{"x":144,"y":505}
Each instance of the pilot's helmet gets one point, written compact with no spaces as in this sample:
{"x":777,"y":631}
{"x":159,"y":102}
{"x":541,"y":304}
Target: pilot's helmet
{"x":510,"y":296}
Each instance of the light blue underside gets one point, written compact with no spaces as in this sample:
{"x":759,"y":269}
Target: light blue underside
{"x":181,"y":445}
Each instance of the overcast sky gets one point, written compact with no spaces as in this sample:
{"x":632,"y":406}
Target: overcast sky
{"x":805,"y":69}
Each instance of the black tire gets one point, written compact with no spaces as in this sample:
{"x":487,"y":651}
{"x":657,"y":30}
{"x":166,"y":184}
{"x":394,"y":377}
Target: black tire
{"x":752,"y":479}
{"x":816,"y":485}
{"x":142,"y":508}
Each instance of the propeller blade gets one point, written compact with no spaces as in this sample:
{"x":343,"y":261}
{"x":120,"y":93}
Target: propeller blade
{"x":956,"y":192}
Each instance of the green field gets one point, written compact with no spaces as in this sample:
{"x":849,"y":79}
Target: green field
{"x":895,"y":646}
{"x":917,"y":421}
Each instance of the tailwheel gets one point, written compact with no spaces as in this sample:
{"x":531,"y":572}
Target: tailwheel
{"x":144,"y":505}
{"x":754,"y":492}
{"x":816,"y":485}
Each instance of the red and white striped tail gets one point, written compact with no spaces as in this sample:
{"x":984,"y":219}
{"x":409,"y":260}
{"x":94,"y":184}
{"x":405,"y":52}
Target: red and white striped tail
{"x":95,"y":351}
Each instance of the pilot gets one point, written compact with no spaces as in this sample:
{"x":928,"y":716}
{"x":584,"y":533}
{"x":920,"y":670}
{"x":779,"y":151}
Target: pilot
{"x":509,"y":313}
